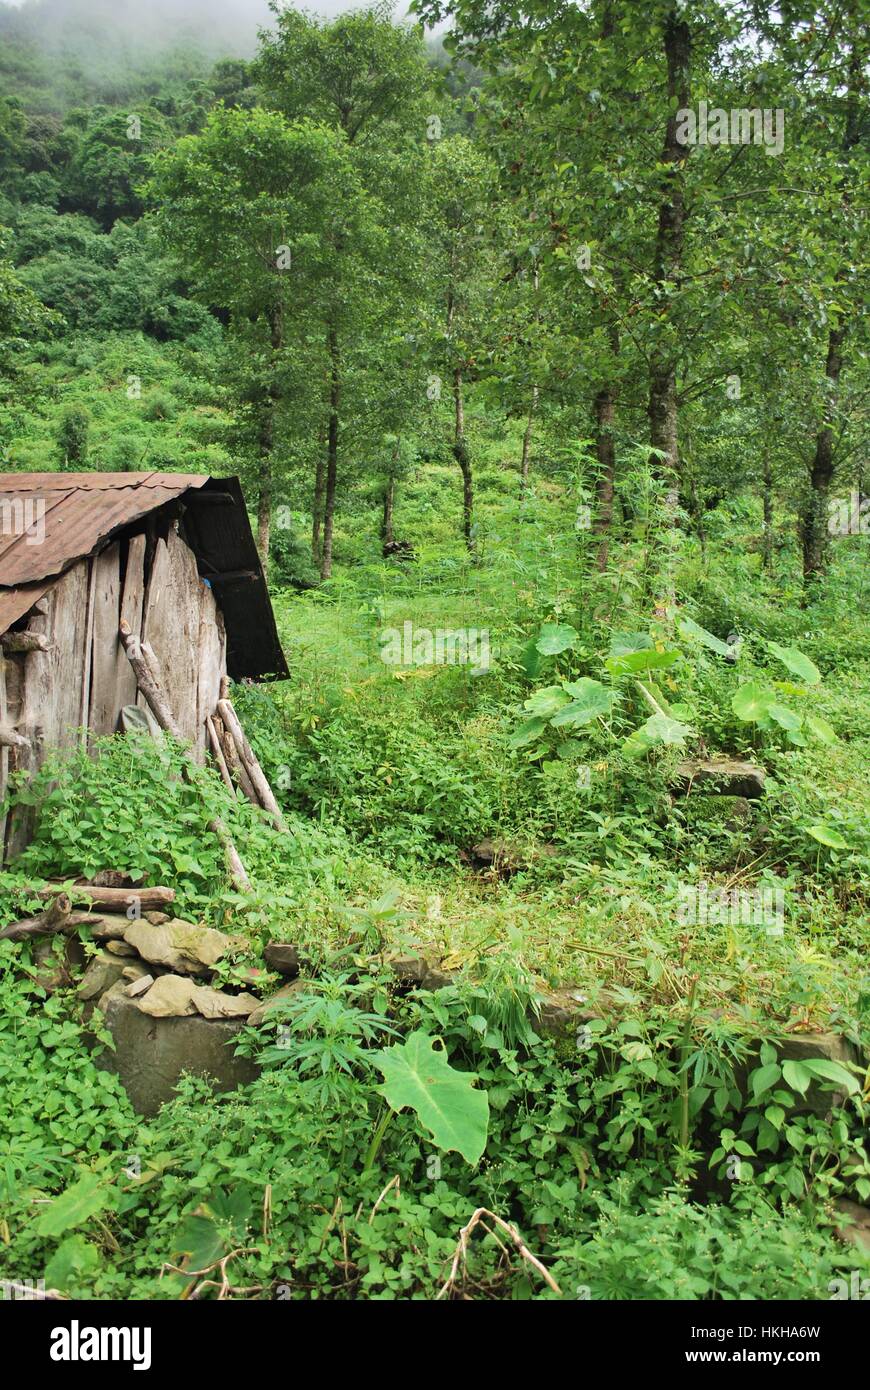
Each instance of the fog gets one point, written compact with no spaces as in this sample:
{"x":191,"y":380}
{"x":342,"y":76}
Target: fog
{"x":218,"y":26}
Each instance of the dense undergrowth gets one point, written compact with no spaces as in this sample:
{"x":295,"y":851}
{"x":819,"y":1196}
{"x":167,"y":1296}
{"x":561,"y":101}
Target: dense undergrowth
{"x":666,"y":1150}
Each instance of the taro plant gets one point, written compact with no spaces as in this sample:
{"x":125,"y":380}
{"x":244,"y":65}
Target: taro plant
{"x":761,"y":705}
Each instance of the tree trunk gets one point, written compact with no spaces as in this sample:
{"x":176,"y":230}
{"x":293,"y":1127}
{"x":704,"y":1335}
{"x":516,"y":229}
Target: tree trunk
{"x":814,"y":518}
{"x":670,"y":239}
{"x":527,"y":436}
{"x":317,"y":508}
{"x":606,"y":453}
{"x":264,"y":503}
{"x":266,"y":440}
{"x":463,"y":458}
{"x":331,"y":454}
{"x":527,"y":440}
{"x":767,"y":504}
{"x":387,"y":519}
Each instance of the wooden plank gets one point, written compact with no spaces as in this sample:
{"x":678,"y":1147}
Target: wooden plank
{"x":64,"y":672}
{"x":85,"y":706}
{"x":4,"y":754}
{"x":50,"y":685}
{"x":110,"y":668}
{"x":171,"y":626}
{"x":211,"y":669}
{"x":132,"y":601}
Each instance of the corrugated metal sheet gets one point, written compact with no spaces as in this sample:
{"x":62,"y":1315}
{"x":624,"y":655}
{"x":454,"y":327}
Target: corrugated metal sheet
{"x":14,"y":603}
{"x":70,"y":515}
{"x":50,"y":520}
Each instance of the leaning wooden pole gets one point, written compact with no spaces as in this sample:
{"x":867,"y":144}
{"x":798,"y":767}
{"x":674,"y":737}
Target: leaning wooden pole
{"x":218,"y":754}
{"x":249,"y":759}
{"x":159,"y":706}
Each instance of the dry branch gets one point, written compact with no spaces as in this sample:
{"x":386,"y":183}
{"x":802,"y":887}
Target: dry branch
{"x":147,"y":682}
{"x":218,"y":754}
{"x":249,"y":758}
{"x":54,"y":918}
{"x":235,"y":764}
{"x":461,"y":1253}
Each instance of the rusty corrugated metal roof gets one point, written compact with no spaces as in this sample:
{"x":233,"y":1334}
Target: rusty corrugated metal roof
{"x":14,"y":603}
{"x":50,"y":520}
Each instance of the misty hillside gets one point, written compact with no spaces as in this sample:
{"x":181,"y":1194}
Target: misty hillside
{"x":59,"y":53}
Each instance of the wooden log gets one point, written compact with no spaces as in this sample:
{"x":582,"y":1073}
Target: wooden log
{"x":147,"y":682}
{"x":218,"y":754}
{"x":235,"y":765}
{"x":117,"y":898}
{"x":53,"y":919}
{"x":249,"y":758}
{"x":25,"y":642}
{"x":238,"y":872}
{"x":9,"y":739}
{"x":163,"y":714}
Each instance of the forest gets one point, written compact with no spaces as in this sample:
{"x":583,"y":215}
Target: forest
{"x":535,"y":335}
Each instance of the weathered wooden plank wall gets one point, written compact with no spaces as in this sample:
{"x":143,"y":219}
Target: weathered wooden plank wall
{"x":110,"y":666}
{"x":4,"y":752}
{"x":212,"y":655}
{"x":171,"y":626}
{"x":50,"y":685}
{"x":84,"y":679}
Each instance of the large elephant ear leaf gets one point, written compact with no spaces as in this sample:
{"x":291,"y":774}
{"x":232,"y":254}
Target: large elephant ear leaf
{"x":689,"y":628}
{"x":647,"y":660}
{"x":797,"y":662}
{"x":752,"y":702}
{"x":590,"y":701}
{"x":418,"y":1077}
{"x":554,"y":638}
{"x":827,"y":835}
{"x":622,"y":643}
{"x":527,"y":732}
{"x":820,"y":728}
{"x":84,"y":1199}
{"x":659,"y":728}
{"x":547,"y":701}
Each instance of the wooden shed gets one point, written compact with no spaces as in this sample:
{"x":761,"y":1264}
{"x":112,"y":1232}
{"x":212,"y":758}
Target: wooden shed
{"x":173,"y":556}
